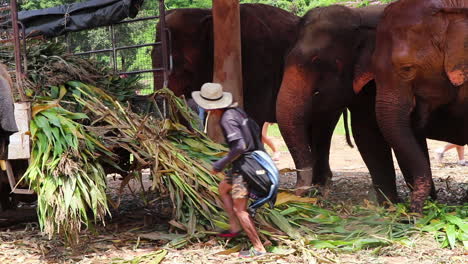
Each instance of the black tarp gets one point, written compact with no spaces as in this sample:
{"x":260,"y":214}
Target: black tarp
{"x":56,"y":21}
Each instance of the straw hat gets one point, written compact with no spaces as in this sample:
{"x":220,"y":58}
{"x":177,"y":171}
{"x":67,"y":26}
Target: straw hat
{"x":211,"y":96}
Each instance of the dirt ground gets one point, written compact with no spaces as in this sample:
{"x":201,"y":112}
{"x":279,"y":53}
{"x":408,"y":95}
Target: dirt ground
{"x":129,"y":234}
{"x":351,"y":176}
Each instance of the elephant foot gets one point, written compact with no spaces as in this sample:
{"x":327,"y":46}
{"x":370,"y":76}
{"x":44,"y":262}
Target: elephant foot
{"x":325,"y":190}
{"x":423,"y":188}
{"x":433,"y":194}
{"x":387,"y":197}
{"x":322,"y":179}
{"x":417,"y":202}
{"x":304,"y":181}
{"x":302,"y":191}
{"x":416,"y":208}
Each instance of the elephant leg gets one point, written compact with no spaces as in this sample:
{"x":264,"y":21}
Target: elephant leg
{"x":320,"y":144}
{"x":394,"y":121}
{"x":409,"y":178}
{"x":293,"y":126}
{"x":423,"y":144}
{"x":373,"y":148}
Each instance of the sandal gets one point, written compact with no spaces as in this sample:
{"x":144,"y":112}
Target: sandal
{"x":251,"y":253}
{"x":228,"y":233}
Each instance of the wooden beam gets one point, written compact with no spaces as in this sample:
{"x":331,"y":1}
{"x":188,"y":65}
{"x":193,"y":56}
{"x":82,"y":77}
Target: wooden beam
{"x":227,"y":54}
{"x":227,"y":47}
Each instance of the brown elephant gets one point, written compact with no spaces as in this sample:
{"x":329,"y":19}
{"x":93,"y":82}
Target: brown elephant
{"x":329,"y":63}
{"x":266,"y":34}
{"x":420,"y":66}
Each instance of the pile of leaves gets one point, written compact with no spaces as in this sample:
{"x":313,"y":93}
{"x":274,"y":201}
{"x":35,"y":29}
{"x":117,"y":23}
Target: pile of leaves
{"x":82,"y":123}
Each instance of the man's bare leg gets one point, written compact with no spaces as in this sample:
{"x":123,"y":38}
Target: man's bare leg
{"x":224,"y":189}
{"x":240,"y":209}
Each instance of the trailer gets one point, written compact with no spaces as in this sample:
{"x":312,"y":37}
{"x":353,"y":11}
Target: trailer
{"x":58,"y":24}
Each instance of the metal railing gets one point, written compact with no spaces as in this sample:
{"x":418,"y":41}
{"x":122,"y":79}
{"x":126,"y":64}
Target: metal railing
{"x":114,"y":49}
{"x":20,"y":73}
{"x":16,"y":37}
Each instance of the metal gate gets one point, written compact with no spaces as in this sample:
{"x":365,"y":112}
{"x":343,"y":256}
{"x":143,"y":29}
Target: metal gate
{"x":13,"y":33}
{"x":125,"y":57}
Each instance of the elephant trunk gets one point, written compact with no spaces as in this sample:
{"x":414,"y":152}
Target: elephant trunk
{"x":394,"y":120}
{"x":294,"y":122}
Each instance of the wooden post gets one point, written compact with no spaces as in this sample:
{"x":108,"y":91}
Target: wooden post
{"x":227,"y":55}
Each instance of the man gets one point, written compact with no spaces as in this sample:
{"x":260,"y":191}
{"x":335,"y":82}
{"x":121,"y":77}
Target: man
{"x":247,"y":155}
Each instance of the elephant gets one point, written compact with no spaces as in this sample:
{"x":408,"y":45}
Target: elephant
{"x":7,"y":127}
{"x":266,"y":34}
{"x":328,"y":69}
{"x":420,"y":68}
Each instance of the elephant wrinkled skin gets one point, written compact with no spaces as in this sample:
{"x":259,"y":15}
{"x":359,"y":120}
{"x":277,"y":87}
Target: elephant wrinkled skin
{"x":328,"y":69}
{"x":266,"y":34}
{"x":420,"y":66}
{"x":7,"y":127}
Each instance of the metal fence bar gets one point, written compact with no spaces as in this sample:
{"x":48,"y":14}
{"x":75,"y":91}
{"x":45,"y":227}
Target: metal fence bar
{"x":167,"y":62}
{"x":25,"y":50}
{"x":114,"y":51}
{"x":16,"y":41}
{"x":93,"y":52}
{"x":143,"y":71}
{"x":162,"y":24}
{"x":139,"y":46}
{"x":119,"y":48}
{"x":137,"y":20}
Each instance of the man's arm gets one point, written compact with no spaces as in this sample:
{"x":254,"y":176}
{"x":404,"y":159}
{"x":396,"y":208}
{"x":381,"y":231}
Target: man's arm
{"x":238,"y":148}
{"x":231,"y":126}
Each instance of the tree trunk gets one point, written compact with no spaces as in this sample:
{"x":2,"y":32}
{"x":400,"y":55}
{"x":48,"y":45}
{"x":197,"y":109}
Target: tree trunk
{"x":227,"y":55}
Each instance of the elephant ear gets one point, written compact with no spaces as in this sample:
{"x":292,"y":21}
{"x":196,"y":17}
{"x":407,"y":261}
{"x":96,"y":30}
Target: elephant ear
{"x":206,"y":35}
{"x":362,"y":64}
{"x":456,"y":57}
{"x":7,"y":109}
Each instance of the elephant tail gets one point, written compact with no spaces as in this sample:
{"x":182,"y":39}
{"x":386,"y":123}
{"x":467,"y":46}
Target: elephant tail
{"x":346,"y":127}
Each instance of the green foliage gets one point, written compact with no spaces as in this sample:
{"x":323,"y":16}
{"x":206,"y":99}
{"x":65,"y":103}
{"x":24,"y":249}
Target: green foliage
{"x":449,"y":224}
{"x":40,"y":4}
{"x":363,"y":3}
{"x":171,"y":4}
{"x":63,"y":170}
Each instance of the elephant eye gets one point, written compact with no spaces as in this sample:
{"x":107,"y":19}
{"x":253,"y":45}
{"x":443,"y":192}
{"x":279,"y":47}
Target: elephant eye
{"x":407,"y":72}
{"x":406,"y":68}
{"x":316,"y":93}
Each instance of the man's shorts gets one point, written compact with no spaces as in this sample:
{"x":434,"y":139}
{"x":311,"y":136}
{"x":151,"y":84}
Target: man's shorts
{"x":240,"y":189}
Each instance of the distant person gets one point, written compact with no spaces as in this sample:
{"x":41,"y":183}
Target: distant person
{"x":269,"y":141}
{"x":460,"y":150}
{"x":199,"y":111}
